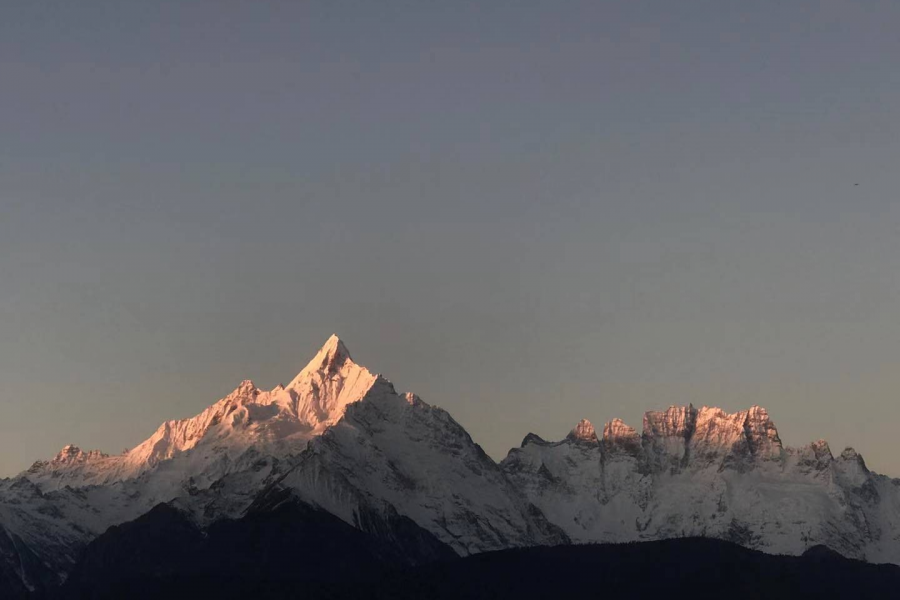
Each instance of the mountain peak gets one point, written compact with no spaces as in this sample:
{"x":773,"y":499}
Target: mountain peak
{"x":583,"y":432}
{"x":617,"y":429}
{"x":72,"y":454}
{"x":335,"y":345}
{"x":533,"y":438}
{"x":851,"y":455}
{"x":69,"y":452}
{"x":330,"y":357}
{"x":319,"y":394}
{"x":617,"y":436}
{"x":245,"y":388}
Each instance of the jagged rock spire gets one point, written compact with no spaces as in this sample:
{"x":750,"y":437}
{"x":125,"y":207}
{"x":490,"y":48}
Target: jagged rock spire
{"x":620,"y":437}
{"x":583,"y":432}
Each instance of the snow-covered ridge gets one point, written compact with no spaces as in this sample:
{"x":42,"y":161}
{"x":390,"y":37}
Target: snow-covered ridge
{"x":673,"y":436}
{"x":280,"y":420}
{"x":705,"y":472}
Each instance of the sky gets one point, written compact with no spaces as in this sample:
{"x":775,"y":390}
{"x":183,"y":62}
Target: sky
{"x":526,"y":212}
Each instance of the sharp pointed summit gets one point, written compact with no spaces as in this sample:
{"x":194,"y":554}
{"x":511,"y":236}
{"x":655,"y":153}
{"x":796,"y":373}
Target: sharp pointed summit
{"x":319,"y":394}
{"x":330,"y":357}
{"x":334,"y":346}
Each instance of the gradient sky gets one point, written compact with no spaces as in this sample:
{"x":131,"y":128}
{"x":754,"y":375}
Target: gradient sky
{"x":526,"y":212}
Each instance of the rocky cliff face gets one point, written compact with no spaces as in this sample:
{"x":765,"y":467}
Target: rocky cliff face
{"x":704,"y":472}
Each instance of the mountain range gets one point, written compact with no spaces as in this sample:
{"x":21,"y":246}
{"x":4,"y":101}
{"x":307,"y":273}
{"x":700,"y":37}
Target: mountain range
{"x":339,"y":455}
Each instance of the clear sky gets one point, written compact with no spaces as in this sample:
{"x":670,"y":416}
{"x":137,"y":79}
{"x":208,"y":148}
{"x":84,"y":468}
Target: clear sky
{"x":526,"y":212}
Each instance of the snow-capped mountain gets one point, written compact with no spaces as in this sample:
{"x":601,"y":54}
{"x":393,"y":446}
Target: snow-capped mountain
{"x":341,"y":439}
{"x":214,"y":464}
{"x":703,"y":472}
{"x":210,"y":445}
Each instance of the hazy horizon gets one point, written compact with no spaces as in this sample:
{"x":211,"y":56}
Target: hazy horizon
{"x":527,"y":213}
